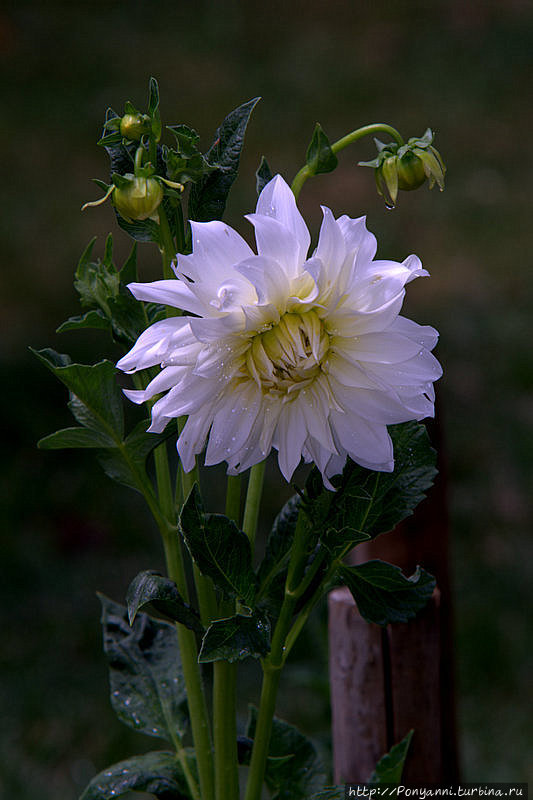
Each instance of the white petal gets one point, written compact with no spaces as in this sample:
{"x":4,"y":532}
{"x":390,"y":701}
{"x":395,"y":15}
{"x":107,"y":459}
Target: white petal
{"x":167,"y":377}
{"x":331,"y":249}
{"x":192,"y":438}
{"x":368,"y":444}
{"x":372,"y":405}
{"x":232,"y":424}
{"x":382,"y":347}
{"x":425,"y":335}
{"x":216,"y":249}
{"x":276,"y":241}
{"x":359,"y":241}
{"x":277,"y":200}
{"x":172,"y":292}
{"x":289,"y":440}
{"x":155,"y":343}
{"x":269,"y":279}
{"x":349,"y":321}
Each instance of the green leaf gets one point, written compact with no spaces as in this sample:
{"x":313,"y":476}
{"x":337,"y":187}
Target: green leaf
{"x":147,"y":686}
{"x":153,"y":108}
{"x":262,"y":176}
{"x":330,"y":793}
{"x":295,"y":778}
{"x":236,"y":638}
{"x":219,"y":548}
{"x":158,"y":773}
{"x":279,"y":541}
{"x":208,"y":197}
{"x":127,"y":460}
{"x":382,"y":592}
{"x":320,"y":157}
{"x":96,"y":400}
{"x":92,"y":319}
{"x":389,"y":768}
{"x":74,"y":438}
{"x":375,"y":502}
{"x":337,"y":542}
{"x":151,"y":588}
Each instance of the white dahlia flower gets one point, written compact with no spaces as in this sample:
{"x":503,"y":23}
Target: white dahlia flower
{"x":305,"y":354}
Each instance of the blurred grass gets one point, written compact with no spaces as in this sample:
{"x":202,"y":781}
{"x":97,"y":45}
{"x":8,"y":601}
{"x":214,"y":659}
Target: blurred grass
{"x":464,"y":69}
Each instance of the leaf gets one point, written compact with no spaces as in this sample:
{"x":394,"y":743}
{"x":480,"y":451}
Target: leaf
{"x":208,"y":197}
{"x":162,"y":594}
{"x":219,"y":548}
{"x":279,"y":541}
{"x":320,"y":157}
{"x":92,"y":319}
{"x":158,"y":773}
{"x":382,"y":592}
{"x":337,"y":542}
{"x":295,"y":778}
{"x":96,"y":400}
{"x":389,"y":768}
{"x":236,"y":638}
{"x":125,"y":461}
{"x":74,"y":438}
{"x":375,"y":502}
{"x":147,"y":686}
{"x":330,"y":793}
{"x":153,"y":108}
{"x":262,"y":176}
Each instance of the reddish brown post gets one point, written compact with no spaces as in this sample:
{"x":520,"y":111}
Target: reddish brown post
{"x":386,"y":681}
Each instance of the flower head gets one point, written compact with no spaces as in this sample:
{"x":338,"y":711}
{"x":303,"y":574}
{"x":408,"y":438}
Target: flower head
{"x":304,"y":354}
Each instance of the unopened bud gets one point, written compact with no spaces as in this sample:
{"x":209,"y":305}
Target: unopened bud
{"x":137,"y":198}
{"x":135,"y":126}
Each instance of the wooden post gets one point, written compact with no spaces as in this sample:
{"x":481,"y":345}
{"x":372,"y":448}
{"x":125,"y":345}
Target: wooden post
{"x":386,"y":681}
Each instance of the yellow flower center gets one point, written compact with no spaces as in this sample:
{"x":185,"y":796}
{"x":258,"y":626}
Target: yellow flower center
{"x":288,"y":356}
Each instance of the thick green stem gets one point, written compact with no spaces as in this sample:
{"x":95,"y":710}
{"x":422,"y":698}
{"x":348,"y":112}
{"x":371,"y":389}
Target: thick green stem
{"x":168,"y":249}
{"x":273,"y":664}
{"x":224,"y":687}
{"x":253,"y":501}
{"x":367,"y":130}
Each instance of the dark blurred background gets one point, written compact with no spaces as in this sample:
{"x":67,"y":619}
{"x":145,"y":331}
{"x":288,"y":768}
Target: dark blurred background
{"x":466,"y":70}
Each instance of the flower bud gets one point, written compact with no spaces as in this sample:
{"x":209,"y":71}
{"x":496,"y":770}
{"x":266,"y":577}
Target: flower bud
{"x":406,"y":166}
{"x":137,"y":198}
{"x":134,"y":126}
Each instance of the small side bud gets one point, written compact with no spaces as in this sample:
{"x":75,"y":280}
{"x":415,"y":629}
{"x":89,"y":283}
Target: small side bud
{"x":135,"y":126}
{"x":137,"y":198}
{"x":406,"y":166}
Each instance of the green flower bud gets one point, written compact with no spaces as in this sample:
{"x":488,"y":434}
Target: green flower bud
{"x":137,"y":198}
{"x":406,"y":166}
{"x":135,"y":126}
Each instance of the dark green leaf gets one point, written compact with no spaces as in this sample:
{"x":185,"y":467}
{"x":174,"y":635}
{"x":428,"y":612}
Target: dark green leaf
{"x":236,"y":638}
{"x":337,"y":542}
{"x":382,"y":592}
{"x":92,"y":319}
{"x":320,"y":157}
{"x":109,"y":139}
{"x":330,"y":793}
{"x":74,"y":438}
{"x":279,"y":541}
{"x":146,"y":681}
{"x":219,"y":548}
{"x":124,"y":463}
{"x":162,"y":594}
{"x":96,"y":400}
{"x":208,"y":197}
{"x":158,"y":773}
{"x":374,"y":502}
{"x":153,"y":108}
{"x":389,"y":768}
{"x":262,"y":176}
{"x":295,"y":778}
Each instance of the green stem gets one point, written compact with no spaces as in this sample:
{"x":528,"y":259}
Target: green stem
{"x":273,"y":664}
{"x":253,"y":501}
{"x":224,"y":687}
{"x":367,"y":130}
{"x":139,"y":153}
{"x":168,"y":248}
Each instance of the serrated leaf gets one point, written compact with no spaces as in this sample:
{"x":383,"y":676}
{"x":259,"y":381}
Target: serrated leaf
{"x":295,"y":778}
{"x":152,"y":588}
{"x":320,"y":157}
{"x":96,"y":400}
{"x":382,"y":592}
{"x":124,"y":463}
{"x":219,"y":548}
{"x":146,"y":681}
{"x":389,"y":768}
{"x":158,"y":773}
{"x":74,"y":438}
{"x":337,"y":542}
{"x":375,"y":502}
{"x":92,"y":319}
{"x":236,"y":638}
{"x":262,"y":176}
{"x":208,"y":197}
